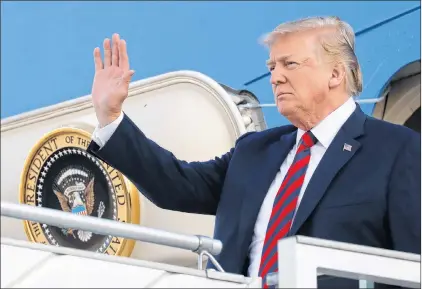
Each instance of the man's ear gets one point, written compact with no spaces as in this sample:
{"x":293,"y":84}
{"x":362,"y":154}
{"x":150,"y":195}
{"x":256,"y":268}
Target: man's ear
{"x":337,"y":75}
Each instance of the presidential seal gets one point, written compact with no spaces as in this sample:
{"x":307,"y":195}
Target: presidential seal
{"x":60,"y":174}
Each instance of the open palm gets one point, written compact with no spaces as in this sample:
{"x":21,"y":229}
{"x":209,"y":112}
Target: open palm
{"x":111,"y":81}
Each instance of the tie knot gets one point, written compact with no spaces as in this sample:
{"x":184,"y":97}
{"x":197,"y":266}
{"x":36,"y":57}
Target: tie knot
{"x":308,"y":139}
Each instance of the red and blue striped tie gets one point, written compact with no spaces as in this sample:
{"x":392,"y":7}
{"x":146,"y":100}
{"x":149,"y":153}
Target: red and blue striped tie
{"x":285,"y":204}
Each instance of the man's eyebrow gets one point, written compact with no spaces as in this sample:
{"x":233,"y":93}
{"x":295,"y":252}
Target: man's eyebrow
{"x":269,"y":62}
{"x":280,"y":58}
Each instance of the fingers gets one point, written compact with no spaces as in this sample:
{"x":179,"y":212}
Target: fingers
{"x":107,"y":53}
{"x":97,"y":59}
{"x":115,"y":53}
{"x":115,"y":50}
{"x":123,"y":57}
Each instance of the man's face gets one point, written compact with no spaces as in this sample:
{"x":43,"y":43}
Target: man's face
{"x":299,"y":73}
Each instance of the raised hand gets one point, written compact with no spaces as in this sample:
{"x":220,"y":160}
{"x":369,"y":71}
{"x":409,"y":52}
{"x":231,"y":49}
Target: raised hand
{"x":111,"y":81}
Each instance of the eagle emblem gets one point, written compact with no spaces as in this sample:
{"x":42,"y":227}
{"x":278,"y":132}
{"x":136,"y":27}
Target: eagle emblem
{"x":74,"y":188}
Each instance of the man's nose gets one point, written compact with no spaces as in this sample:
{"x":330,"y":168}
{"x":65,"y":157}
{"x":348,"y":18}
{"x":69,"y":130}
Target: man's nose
{"x":277,"y":77}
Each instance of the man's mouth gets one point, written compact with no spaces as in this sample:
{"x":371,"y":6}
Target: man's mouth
{"x":282,"y":95}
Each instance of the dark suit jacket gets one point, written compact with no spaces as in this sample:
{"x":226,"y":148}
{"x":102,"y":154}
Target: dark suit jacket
{"x":370,"y":195}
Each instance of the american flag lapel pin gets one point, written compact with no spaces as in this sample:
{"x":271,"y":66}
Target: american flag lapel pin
{"x":347,"y":147}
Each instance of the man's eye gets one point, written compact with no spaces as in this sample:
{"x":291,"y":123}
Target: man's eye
{"x":291,"y":64}
{"x":271,"y":68}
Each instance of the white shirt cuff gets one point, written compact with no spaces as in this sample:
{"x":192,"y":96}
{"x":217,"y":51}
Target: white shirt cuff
{"x":102,"y":135}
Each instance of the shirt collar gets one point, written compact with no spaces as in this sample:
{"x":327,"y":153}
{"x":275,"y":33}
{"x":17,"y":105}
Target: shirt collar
{"x":327,"y":129}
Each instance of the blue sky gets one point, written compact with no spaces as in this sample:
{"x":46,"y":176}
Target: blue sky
{"x":47,"y":46}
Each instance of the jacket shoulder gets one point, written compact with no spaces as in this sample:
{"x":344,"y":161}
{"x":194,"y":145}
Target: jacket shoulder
{"x":391,"y":132}
{"x":267,"y":135}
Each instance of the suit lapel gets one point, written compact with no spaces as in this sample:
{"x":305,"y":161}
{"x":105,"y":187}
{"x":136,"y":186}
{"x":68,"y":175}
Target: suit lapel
{"x":336,"y":157}
{"x":265,"y":164}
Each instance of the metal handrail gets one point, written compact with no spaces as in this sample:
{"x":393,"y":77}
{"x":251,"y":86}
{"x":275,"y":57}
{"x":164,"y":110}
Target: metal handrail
{"x":302,"y":259}
{"x":195,"y":243}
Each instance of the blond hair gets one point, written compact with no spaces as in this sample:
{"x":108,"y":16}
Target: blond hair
{"x":339,"y":46}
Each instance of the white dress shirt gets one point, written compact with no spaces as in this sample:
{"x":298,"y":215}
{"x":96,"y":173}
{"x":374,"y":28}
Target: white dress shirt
{"x":325,"y":132}
{"x":101,"y":135}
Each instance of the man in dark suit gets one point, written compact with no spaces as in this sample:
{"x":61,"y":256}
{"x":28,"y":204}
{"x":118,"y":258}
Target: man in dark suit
{"x":335,"y":173}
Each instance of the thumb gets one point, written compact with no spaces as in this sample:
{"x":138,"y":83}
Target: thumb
{"x":128,"y":75}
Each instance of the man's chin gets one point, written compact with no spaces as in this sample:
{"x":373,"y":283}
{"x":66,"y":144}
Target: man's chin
{"x":285,"y":110}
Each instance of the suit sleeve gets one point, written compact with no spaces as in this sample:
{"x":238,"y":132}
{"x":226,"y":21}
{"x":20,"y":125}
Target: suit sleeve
{"x":103,"y":134}
{"x":169,"y":183}
{"x":404,"y":198}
